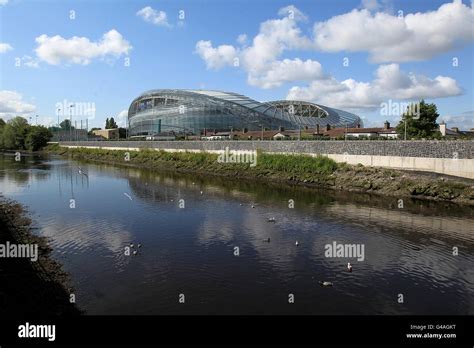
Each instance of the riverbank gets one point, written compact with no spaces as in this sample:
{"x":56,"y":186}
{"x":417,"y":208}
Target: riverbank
{"x":30,"y":288}
{"x":290,"y":169}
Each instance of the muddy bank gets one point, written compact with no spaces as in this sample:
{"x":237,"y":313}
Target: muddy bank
{"x":30,"y":289}
{"x":293,"y":170}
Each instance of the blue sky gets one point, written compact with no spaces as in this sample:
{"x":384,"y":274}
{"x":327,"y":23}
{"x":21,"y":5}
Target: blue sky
{"x":287,"y":49}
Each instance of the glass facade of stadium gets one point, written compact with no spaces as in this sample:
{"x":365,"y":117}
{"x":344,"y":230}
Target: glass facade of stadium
{"x":195,"y":111}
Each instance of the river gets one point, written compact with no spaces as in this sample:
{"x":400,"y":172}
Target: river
{"x":208,"y":242}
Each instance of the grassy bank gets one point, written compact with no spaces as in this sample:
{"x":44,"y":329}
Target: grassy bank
{"x":292,"y":169}
{"x":30,"y":289}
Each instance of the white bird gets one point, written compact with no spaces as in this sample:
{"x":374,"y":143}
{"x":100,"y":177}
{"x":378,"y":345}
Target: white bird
{"x":128,"y":196}
{"x":349,"y":267}
{"x":139,"y":245}
{"x":201,"y":192}
{"x":135,"y":252}
{"x":297,"y":243}
{"x":272,"y":219}
{"x":131,"y":245}
{"x":253,"y":206}
{"x":325,"y":283}
{"x":81,"y":172}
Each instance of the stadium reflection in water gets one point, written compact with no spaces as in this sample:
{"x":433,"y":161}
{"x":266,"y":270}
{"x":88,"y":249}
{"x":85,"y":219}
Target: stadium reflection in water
{"x":191,"y":250}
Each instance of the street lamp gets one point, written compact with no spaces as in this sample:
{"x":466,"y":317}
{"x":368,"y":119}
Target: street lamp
{"x":59,"y":111}
{"x":36,"y":119}
{"x":70,"y":121}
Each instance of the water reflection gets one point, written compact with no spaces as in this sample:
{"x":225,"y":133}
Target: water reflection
{"x":192,"y":250}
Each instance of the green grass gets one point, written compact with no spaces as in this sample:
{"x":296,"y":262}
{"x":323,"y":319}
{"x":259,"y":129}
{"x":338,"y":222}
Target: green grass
{"x":293,"y":164}
{"x":297,"y":163}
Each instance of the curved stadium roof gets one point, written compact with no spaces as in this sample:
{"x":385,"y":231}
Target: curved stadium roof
{"x":286,"y":113}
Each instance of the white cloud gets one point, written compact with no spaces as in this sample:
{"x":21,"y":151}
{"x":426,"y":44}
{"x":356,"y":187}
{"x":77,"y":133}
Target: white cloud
{"x":80,"y":50}
{"x":353,"y":31}
{"x":389,"y":83}
{"x":293,"y":13}
{"x":218,"y":57}
{"x":242,"y":39}
{"x":150,"y":15}
{"x":29,"y":61}
{"x":370,"y":5}
{"x":286,"y":70}
{"x":4,"y":47}
{"x":122,"y":118}
{"x":464,"y":121}
{"x":3,"y":2}
{"x":260,"y":59}
{"x":389,"y":38}
{"x":274,"y":37}
{"x":12,"y":104}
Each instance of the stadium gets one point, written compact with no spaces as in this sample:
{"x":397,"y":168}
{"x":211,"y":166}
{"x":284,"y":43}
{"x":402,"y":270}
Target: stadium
{"x":197,"y":111}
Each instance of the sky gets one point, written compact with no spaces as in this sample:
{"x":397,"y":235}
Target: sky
{"x":370,"y":57}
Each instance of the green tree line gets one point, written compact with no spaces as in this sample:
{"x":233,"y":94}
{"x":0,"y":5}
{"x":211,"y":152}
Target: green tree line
{"x":17,"y":134}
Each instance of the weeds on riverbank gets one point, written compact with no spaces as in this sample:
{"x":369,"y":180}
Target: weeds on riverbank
{"x":297,"y":163}
{"x":318,"y":171}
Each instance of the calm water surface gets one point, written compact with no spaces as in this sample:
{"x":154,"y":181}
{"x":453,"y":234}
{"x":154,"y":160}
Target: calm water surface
{"x":190,"y":251}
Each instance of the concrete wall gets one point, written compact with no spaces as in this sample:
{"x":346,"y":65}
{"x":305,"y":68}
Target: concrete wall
{"x":445,"y":157}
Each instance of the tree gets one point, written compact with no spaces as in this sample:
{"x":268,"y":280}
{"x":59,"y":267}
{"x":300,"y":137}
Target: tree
{"x":419,"y":124}
{"x":110,"y":124}
{"x":91,"y":132}
{"x":66,"y":125}
{"x":2,"y":123}
{"x":37,"y":138}
{"x":122,"y":133}
{"x":14,"y":133}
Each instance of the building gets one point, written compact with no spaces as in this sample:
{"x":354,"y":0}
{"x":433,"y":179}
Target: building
{"x":454,"y":132}
{"x":109,"y":134}
{"x":195,"y":112}
{"x":358,"y":132}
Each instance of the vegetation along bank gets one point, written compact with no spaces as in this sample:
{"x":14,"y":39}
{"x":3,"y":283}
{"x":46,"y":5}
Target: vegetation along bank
{"x":304,"y":170}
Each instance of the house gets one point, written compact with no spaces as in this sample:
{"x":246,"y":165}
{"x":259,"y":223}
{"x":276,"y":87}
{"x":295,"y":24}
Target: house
{"x":109,"y":134}
{"x":454,"y":132}
{"x":386,"y":132}
{"x":265,"y":134}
